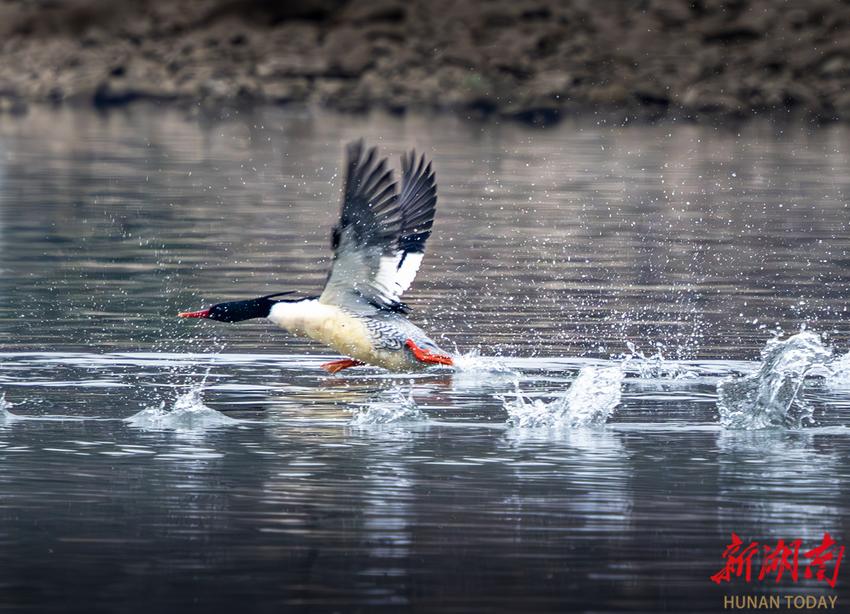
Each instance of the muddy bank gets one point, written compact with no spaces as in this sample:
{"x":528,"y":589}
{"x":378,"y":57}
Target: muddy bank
{"x":533,"y":60}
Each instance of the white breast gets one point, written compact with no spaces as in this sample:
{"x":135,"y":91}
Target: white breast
{"x":326,"y":323}
{"x":330,"y":325}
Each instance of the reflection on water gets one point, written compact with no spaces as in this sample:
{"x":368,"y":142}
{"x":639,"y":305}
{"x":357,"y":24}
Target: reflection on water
{"x":245,"y":475}
{"x":788,"y":482}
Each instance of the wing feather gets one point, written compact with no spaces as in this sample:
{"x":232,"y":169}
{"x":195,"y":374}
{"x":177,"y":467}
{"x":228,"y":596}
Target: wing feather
{"x":380,"y":239}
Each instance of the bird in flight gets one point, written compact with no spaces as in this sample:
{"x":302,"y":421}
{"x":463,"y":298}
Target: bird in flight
{"x":378,"y":246}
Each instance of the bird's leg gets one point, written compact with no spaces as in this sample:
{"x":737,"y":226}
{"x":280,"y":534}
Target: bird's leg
{"x":336,"y":366}
{"x":426,"y":356}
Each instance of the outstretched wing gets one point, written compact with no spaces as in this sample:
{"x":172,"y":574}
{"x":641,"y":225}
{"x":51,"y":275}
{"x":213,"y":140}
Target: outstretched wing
{"x":380,"y":238}
{"x":418,"y":203}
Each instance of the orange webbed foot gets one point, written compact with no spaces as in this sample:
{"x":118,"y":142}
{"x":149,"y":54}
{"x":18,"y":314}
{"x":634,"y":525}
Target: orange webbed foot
{"x":426,"y":356}
{"x":335,"y":366}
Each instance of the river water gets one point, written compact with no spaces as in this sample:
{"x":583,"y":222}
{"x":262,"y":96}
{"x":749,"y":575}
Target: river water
{"x":634,"y":385}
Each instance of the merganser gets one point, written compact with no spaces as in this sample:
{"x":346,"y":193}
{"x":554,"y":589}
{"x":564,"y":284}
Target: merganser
{"x":378,"y":246}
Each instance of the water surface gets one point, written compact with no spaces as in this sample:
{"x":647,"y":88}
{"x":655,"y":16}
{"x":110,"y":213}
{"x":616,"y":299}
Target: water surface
{"x":673,"y":253}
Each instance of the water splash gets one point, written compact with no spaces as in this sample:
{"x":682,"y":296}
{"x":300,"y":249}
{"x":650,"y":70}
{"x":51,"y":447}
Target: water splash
{"x":188,"y":414}
{"x":655,"y":366}
{"x":587,"y":403}
{"x":182,"y":371}
{"x":5,"y":415}
{"x":471,"y":370}
{"x":472,"y":362}
{"x":770,"y":396}
{"x":393,"y":406}
{"x":838,"y":373}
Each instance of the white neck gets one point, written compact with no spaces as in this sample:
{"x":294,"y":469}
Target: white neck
{"x":298,"y":316}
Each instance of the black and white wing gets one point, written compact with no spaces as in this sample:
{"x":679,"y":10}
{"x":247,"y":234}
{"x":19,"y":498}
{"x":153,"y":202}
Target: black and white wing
{"x":380,"y":238}
{"x":418,"y":203}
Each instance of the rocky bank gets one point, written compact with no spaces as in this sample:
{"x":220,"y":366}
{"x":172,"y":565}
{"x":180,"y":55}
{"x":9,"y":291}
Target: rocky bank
{"x":533,"y":60}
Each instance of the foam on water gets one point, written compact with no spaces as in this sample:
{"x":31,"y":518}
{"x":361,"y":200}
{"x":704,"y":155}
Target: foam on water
{"x":770,"y":397}
{"x":392,"y":406}
{"x":188,"y":414}
{"x":587,"y":403}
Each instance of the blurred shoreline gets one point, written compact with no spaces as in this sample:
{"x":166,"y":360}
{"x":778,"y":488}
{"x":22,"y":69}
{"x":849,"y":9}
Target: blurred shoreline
{"x":706,"y":61}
